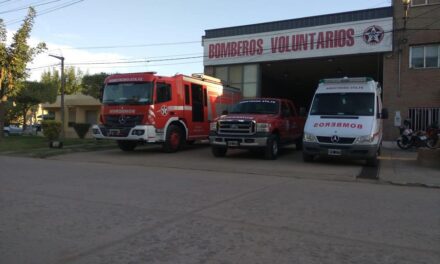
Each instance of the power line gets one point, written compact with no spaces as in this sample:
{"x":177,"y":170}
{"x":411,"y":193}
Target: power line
{"x":26,"y":7}
{"x":136,"y":45}
{"x":48,"y":10}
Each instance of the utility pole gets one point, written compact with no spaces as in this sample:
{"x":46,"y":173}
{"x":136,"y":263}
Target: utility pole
{"x":62,"y":94}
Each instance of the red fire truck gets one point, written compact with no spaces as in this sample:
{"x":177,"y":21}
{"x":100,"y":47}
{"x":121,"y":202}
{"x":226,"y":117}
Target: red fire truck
{"x":142,"y":108}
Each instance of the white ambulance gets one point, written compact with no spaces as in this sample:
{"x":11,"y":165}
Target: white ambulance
{"x":345,"y":120}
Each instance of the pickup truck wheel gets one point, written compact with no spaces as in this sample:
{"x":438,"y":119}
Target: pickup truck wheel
{"x":174,"y":139}
{"x":271,"y":151}
{"x":219,"y":151}
{"x":127,"y":145}
{"x":307,"y":157}
{"x":6,"y":133}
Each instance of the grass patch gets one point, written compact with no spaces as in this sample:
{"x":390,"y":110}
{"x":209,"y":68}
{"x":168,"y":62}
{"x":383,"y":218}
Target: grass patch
{"x":36,"y":146}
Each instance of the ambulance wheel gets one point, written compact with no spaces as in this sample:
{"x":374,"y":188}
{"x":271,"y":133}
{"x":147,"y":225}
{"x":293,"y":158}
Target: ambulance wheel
{"x":127,"y":145}
{"x":307,"y":157}
{"x":219,"y":151}
{"x":373,"y":161}
{"x":173,"y":139}
{"x":272,"y":147}
{"x":190,"y":142}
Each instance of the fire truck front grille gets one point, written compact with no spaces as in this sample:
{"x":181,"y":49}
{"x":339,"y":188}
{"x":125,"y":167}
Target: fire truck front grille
{"x":236,"y":127}
{"x":113,"y":121}
{"x":341,"y":140}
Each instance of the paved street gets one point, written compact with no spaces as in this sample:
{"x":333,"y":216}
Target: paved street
{"x":150,"y":207}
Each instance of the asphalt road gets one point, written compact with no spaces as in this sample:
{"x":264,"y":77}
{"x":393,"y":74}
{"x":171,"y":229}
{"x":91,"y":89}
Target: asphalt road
{"x":114,"y":207}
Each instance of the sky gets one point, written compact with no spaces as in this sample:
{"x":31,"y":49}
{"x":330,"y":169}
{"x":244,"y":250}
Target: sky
{"x":146,"y":35}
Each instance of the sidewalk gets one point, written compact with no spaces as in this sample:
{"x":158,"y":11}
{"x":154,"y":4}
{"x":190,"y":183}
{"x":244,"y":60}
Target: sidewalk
{"x":401,"y":167}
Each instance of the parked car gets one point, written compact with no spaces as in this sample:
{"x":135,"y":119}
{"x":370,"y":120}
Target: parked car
{"x":12,"y":130}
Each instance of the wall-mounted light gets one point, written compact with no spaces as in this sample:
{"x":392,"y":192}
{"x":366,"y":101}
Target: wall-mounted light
{"x":405,"y":8}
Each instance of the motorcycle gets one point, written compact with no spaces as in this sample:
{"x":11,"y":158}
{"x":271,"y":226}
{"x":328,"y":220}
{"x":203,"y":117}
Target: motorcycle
{"x":433,"y":134}
{"x":409,"y":138}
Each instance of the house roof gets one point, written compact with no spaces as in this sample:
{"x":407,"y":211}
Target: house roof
{"x":74,"y":100}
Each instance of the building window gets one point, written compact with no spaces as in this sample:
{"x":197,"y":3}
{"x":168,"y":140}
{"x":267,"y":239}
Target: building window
{"x":250,"y":83}
{"x":425,"y":56}
{"x":424,"y":117}
{"x":242,"y":77}
{"x":424,"y":2}
{"x":236,"y":76}
{"x":221,"y":73}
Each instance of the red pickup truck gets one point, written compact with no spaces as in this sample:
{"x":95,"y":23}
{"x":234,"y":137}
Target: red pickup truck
{"x":257,"y":124}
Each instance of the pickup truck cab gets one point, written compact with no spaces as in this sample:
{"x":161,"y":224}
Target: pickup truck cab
{"x":257,"y":124}
{"x":345,"y":120}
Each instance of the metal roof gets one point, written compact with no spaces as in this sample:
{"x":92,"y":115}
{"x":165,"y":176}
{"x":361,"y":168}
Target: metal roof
{"x":304,"y":22}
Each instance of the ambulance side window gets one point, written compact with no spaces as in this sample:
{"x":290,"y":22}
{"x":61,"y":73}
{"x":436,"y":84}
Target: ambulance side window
{"x":163,"y":92}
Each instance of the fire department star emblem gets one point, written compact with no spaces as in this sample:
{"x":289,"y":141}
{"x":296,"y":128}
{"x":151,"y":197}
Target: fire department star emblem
{"x":373,"y":35}
{"x":164,"y":110}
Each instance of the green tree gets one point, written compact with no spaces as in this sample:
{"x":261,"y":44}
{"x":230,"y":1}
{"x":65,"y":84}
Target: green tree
{"x":72,"y":77}
{"x":12,"y":113}
{"x":13,"y":60}
{"x":92,"y":84}
{"x":32,"y":94}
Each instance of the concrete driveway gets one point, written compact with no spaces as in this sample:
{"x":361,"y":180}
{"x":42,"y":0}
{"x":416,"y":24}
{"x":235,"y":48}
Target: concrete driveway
{"x":199,"y":157}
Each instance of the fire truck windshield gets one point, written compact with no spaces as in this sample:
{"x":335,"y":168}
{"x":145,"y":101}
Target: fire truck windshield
{"x":358,"y":104}
{"x":128,"y":93}
{"x":256,"y":107}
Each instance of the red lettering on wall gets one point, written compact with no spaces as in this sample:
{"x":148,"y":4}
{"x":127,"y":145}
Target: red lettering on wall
{"x":329,"y":39}
{"x":260,"y":46}
{"x":341,"y":40}
{"x":350,"y":37}
{"x":312,"y":40}
{"x":320,"y":44}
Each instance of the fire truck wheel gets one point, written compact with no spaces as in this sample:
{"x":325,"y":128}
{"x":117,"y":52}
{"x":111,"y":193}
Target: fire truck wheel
{"x":219,"y":151}
{"x":271,"y":151}
{"x":173,"y":140}
{"x":127,"y":145}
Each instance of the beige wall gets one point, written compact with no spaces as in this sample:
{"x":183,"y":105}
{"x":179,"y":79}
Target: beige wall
{"x":78,"y":107}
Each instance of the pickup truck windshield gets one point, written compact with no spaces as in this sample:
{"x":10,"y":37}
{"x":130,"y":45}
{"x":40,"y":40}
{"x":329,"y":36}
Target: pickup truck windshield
{"x":128,"y":93}
{"x":357,"y":104}
{"x":256,"y":107}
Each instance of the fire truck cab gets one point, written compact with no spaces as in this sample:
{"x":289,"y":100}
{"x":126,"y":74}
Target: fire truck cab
{"x":142,"y":108}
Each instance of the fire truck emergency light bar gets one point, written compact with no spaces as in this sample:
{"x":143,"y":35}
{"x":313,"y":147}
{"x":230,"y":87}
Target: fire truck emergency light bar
{"x":346,"y":80}
{"x":203,"y":77}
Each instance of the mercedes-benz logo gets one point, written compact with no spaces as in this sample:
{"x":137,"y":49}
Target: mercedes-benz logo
{"x":122,"y":119}
{"x":335,"y":139}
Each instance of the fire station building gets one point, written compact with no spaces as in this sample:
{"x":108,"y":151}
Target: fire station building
{"x":399,"y":46}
